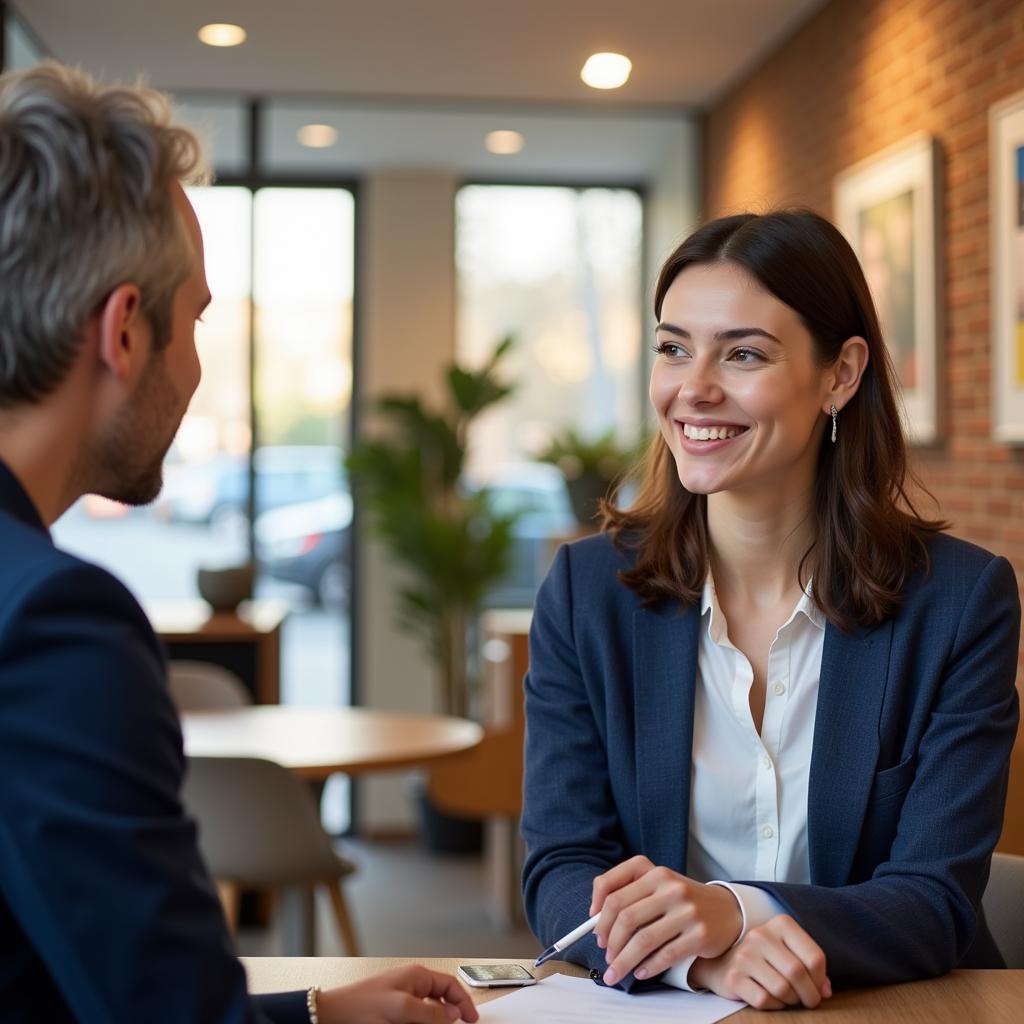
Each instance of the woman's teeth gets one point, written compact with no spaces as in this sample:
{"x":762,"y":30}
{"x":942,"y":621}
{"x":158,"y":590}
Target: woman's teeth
{"x":710,"y":433}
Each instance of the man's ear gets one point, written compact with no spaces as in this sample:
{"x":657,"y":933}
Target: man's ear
{"x":122,"y":329}
{"x":847,"y":371}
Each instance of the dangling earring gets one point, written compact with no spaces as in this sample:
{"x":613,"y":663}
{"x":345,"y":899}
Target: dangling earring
{"x":834,"y":413}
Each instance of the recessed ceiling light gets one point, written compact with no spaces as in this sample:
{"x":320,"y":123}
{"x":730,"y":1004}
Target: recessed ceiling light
{"x":317,"y":136}
{"x":504,"y":142}
{"x":606,"y":70}
{"x":220,"y":34}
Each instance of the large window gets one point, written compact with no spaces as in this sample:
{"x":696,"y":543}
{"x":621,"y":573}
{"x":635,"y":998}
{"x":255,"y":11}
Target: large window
{"x":560,"y":269}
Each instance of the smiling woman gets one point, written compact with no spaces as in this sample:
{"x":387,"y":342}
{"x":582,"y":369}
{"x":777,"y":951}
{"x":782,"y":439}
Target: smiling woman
{"x":782,"y":702}
{"x":766,"y":326}
{"x":741,"y":394}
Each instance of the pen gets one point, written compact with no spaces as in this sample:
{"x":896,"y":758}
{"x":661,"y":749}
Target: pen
{"x":567,"y":940}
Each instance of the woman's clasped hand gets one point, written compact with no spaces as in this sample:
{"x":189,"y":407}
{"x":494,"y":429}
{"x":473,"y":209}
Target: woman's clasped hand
{"x":653,"y":918}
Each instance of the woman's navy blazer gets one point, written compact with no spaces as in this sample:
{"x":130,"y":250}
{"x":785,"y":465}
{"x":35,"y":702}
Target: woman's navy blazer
{"x":915,"y":722}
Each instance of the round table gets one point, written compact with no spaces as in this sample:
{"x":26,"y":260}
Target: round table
{"x":317,"y":742}
{"x":314,"y":743}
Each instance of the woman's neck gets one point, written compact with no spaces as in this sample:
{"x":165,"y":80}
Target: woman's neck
{"x":757,"y":546}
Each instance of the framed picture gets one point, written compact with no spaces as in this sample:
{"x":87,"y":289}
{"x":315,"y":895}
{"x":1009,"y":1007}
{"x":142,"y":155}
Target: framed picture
{"x":888,"y":207}
{"x":1006,"y":134}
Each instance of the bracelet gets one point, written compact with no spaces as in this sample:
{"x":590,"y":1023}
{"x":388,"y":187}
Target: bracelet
{"x":311,"y":998}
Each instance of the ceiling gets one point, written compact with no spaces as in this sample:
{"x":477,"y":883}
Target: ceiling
{"x":685,"y":53}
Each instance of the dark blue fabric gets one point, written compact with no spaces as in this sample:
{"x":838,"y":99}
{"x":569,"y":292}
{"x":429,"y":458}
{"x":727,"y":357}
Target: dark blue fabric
{"x":107,"y":913}
{"x":915,"y":723}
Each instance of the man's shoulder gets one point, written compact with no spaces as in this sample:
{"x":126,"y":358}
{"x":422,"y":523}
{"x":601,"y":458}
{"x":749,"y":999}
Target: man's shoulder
{"x":31,"y":562}
{"x":58,"y":606}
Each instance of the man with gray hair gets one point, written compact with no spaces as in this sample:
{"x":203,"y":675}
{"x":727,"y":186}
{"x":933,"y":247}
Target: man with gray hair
{"x":107,"y":913}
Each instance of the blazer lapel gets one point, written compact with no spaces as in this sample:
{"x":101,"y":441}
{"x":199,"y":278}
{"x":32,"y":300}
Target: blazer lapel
{"x":854,"y":668}
{"x":665,"y":669}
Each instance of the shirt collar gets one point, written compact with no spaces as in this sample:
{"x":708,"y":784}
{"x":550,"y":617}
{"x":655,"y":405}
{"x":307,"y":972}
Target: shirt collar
{"x":717,"y":626}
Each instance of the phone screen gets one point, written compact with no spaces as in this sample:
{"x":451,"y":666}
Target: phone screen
{"x":496,"y":973}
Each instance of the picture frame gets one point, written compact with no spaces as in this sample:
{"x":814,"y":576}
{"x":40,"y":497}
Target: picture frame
{"x":888,"y":207}
{"x":1006,"y":213}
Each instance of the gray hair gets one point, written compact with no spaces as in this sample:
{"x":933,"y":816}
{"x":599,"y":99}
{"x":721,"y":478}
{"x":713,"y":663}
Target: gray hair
{"x":85,"y":205}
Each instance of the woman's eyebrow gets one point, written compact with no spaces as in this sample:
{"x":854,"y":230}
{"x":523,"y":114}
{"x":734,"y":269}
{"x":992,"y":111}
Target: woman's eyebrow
{"x":732,"y":334}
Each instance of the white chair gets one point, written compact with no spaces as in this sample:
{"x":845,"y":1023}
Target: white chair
{"x":1004,"y":907}
{"x":259,"y":829}
{"x":202,"y":685}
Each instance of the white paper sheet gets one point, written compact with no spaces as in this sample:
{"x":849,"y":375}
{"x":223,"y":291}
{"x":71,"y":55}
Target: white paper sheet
{"x":559,"y":999}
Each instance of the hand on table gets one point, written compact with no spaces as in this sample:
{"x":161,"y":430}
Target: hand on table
{"x":776,"y":965}
{"x":652,"y":918}
{"x":405,"y":995}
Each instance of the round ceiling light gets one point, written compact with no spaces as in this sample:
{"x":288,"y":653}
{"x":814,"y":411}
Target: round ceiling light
{"x":221,"y":34}
{"x":606,"y":70}
{"x":504,"y":142}
{"x":317,"y":136}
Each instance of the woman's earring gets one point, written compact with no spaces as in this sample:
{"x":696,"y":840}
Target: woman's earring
{"x":834,"y":413}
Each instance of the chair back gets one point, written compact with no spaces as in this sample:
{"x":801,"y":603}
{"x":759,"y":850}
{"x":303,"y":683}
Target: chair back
{"x":258,"y":824}
{"x":203,"y":686}
{"x":1004,"y":907}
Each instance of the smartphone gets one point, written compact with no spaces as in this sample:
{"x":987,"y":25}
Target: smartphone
{"x":495,"y":975}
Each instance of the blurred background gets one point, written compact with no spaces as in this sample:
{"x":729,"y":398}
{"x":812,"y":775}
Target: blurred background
{"x":401,"y":184}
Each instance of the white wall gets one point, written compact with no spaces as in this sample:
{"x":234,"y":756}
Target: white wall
{"x":406,"y":335}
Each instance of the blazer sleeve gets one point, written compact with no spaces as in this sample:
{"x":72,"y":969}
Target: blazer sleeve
{"x":916,"y":915}
{"x":98,"y":861}
{"x":569,"y":823}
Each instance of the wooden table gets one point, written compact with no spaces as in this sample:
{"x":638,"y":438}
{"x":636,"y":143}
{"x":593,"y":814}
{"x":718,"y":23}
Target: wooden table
{"x":963,"y":997}
{"x":314,"y":743}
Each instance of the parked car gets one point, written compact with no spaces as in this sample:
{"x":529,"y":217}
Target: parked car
{"x":216,"y":491}
{"x":308,"y":544}
{"x":538,"y":492}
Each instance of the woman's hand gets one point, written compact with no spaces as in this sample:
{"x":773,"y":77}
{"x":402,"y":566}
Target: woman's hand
{"x":651,"y":918}
{"x":777,"y":964}
{"x":406,"y":995}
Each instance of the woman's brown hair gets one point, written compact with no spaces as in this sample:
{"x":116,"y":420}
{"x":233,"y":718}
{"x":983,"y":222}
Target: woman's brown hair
{"x":869,"y":537}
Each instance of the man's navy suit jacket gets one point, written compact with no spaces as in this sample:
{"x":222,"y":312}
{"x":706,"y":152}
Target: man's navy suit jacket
{"x":107,"y":913}
{"x":915,"y":722}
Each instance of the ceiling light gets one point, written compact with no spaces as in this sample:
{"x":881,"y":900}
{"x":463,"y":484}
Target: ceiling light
{"x":222,"y":35}
{"x":606,"y":70}
{"x":317,"y":136}
{"x":504,"y":143}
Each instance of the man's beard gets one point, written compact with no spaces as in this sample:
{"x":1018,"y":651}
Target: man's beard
{"x":128,"y":459}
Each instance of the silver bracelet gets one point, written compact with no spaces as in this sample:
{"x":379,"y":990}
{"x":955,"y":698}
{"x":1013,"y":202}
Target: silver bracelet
{"x":311,"y":998}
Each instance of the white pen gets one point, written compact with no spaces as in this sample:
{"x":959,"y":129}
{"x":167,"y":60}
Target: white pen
{"x":567,"y":940}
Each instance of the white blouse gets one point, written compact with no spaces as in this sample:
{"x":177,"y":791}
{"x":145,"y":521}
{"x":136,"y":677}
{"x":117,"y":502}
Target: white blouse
{"x":748,"y":797}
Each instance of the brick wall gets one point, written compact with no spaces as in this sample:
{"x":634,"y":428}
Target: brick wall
{"x":860,"y":76}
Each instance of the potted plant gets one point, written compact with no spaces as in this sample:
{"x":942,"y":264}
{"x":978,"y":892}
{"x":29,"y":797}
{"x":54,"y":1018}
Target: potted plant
{"x":592,"y":468}
{"x":451,"y":544}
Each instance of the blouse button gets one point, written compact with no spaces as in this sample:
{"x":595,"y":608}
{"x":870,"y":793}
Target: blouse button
{"x":767,"y":831}
{"x":778,"y":689}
